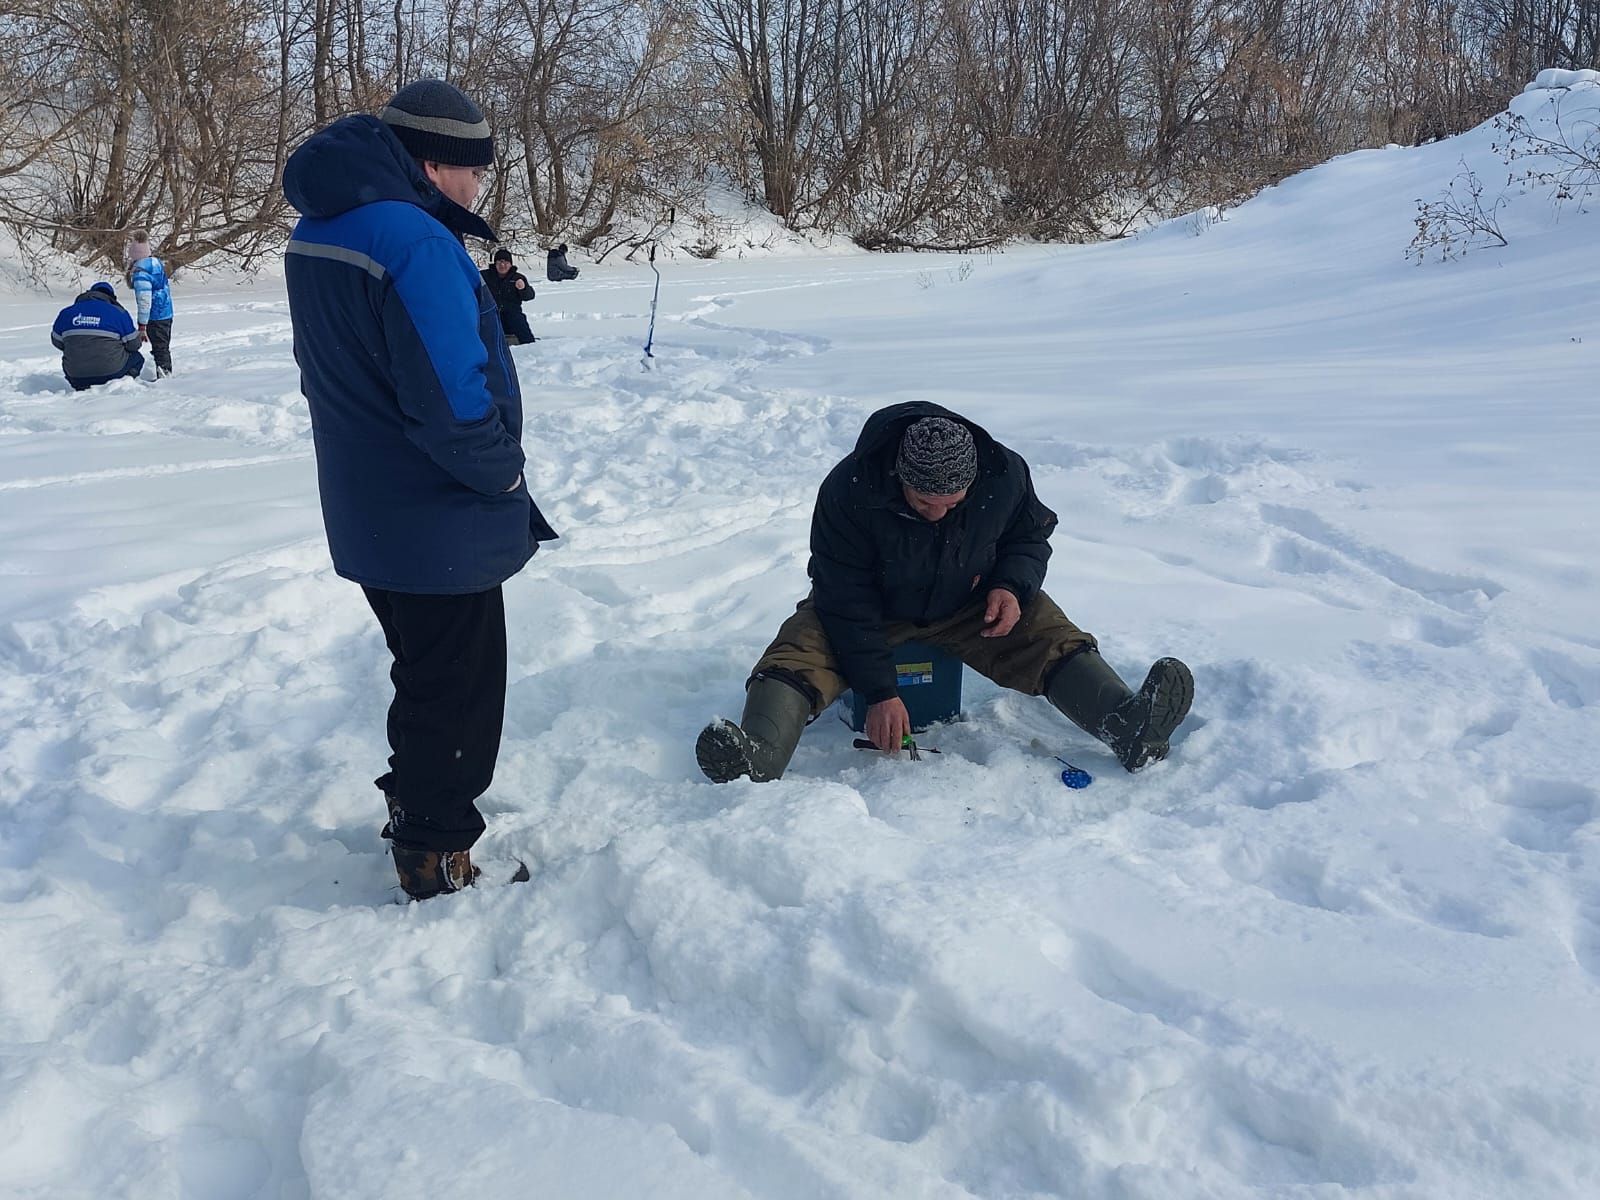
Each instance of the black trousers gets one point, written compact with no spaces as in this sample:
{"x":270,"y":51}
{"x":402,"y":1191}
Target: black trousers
{"x":160,"y":335}
{"x":515,"y":325}
{"x":132,"y":370}
{"x":449,"y":678}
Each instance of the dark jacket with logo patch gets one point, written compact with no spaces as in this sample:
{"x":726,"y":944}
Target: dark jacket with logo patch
{"x":415,"y":409}
{"x":873,"y":559}
{"x":97,"y":339}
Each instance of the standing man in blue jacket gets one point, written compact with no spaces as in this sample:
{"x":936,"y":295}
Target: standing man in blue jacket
{"x":97,"y":339}
{"x":417,"y":421}
{"x":153,"y":294}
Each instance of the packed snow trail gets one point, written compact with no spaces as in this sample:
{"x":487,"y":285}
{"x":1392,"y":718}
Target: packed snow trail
{"x":1346,"y":942}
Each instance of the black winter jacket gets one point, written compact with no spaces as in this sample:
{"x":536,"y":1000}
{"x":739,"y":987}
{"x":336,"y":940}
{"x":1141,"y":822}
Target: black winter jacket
{"x":873,"y":559}
{"x":504,"y":288}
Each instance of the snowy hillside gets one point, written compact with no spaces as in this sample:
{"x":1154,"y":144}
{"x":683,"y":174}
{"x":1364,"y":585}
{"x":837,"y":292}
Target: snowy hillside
{"x":1345,"y":943}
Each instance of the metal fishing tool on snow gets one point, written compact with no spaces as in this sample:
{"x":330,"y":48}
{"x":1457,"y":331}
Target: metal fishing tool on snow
{"x":906,"y":743}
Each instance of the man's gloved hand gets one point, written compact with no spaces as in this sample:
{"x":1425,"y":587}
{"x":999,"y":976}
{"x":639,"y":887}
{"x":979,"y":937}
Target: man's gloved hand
{"x":888,"y":724}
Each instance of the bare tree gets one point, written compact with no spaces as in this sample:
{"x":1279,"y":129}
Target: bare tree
{"x":906,"y":123}
{"x":579,"y":92}
{"x":768,"y":55}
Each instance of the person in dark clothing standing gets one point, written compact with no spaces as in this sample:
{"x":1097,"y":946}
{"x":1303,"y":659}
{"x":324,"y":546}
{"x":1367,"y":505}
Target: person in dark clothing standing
{"x":417,"y":422}
{"x":97,"y":339}
{"x":930,"y":530}
{"x":556,"y":267}
{"x":510,"y":290}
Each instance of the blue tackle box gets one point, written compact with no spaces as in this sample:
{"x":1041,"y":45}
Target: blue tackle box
{"x":930,"y":685}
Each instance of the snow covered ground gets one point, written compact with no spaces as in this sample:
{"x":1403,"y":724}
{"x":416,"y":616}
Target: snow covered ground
{"x":1345,"y":943}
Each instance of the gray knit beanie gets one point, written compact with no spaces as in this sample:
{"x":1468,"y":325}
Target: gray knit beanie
{"x":937,"y":456}
{"x":437,"y":122}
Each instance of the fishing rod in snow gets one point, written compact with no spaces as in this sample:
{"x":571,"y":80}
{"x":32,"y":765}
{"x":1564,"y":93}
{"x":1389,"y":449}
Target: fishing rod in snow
{"x":650,"y":337}
{"x":654,"y":296}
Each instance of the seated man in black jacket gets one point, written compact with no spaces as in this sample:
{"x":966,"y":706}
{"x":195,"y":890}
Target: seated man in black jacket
{"x":510,"y":290}
{"x":930,"y":530}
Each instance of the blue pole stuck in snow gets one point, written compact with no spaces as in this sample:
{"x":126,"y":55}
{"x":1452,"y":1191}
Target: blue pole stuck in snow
{"x":654,"y":296}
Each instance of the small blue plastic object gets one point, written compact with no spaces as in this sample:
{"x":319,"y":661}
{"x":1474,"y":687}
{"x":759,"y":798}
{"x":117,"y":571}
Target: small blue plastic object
{"x":1073,"y":777}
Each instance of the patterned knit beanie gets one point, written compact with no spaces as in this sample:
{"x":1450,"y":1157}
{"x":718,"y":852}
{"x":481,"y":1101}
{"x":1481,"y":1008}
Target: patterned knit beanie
{"x":436,"y":122}
{"x":937,"y":456}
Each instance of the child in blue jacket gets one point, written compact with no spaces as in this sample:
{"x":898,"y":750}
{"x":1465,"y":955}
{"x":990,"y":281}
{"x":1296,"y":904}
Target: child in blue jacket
{"x":149,"y":278}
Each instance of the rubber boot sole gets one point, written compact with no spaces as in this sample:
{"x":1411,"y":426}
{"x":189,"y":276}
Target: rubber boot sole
{"x":723,"y":751}
{"x":1169,"y":692}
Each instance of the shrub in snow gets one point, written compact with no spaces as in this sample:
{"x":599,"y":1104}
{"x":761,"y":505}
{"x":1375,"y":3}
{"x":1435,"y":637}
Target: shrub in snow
{"x":1203,"y":219}
{"x":1457,"y":221}
{"x":1561,"y":154}
{"x":1550,"y":137}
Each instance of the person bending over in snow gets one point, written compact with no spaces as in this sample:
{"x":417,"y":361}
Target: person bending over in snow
{"x":97,"y":339}
{"x":417,"y":421}
{"x":930,"y":530}
{"x":510,"y":290}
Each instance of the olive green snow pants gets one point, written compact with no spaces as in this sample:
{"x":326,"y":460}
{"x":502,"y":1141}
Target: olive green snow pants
{"x":1021,"y":660}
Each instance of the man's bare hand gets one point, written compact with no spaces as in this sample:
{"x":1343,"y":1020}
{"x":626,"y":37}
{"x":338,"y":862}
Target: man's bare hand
{"x":888,"y":724}
{"x":1001,"y":615}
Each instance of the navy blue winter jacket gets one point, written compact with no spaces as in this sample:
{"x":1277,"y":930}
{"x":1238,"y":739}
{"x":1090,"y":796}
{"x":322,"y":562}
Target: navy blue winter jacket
{"x":96,"y":337}
{"x":415,"y":408}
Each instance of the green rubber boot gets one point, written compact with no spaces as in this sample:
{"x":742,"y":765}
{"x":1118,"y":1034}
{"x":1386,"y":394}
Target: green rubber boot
{"x":1136,"y":725}
{"x":760,"y":745}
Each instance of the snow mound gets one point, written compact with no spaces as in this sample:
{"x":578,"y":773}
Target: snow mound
{"x":1553,"y":78}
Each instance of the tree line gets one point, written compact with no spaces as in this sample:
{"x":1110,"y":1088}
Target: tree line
{"x":946,"y":124}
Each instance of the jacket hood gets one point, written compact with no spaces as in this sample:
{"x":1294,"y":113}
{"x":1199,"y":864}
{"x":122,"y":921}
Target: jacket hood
{"x":96,"y":294}
{"x":358,"y":160}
